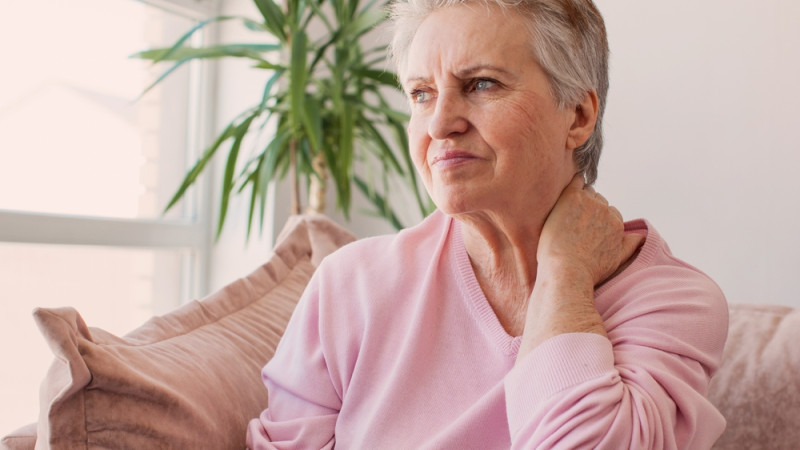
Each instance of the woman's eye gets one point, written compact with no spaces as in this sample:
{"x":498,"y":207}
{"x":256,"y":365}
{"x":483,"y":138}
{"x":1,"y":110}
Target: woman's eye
{"x":420,"y":96}
{"x":482,"y":85}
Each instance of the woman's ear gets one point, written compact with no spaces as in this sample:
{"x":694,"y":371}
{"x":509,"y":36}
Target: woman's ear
{"x":584,"y":119}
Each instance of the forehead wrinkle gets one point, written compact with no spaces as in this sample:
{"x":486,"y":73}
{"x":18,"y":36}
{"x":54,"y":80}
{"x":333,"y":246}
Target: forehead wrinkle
{"x":467,"y":72}
{"x":461,"y":58}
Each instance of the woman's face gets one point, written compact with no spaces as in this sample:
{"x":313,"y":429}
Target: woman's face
{"x":485,"y":133}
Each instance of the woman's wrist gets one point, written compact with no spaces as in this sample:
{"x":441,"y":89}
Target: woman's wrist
{"x":560,"y":305}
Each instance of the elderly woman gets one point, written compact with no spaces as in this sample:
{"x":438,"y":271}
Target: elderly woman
{"x":523,"y":313}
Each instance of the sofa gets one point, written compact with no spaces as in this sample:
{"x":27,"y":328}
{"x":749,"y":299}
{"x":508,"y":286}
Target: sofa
{"x":190,"y":378}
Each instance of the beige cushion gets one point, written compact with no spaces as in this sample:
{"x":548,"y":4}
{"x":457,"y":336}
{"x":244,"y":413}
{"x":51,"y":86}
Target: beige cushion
{"x":189,"y":379}
{"x":21,"y":439}
{"x":757,"y":388}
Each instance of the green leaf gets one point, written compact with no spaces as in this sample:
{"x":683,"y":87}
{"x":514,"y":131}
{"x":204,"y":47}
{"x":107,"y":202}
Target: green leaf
{"x":339,"y":10}
{"x":270,"y":83}
{"x":252,"y":51}
{"x":318,"y":13}
{"x":389,"y":113}
{"x":200,"y":165}
{"x":344,"y":158}
{"x":383,"y":77}
{"x":162,"y":76}
{"x":375,"y":137}
{"x":424,"y":207}
{"x":274,"y":19}
{"x":189,"y":54}
{"x":254,"y":180}
{"x":293,"y":17}
{"x":380,"y":55}
{"x":319,"y":53}
{"x":252,"y":25}
{"x":230,"y":166}
{"x":276,"y":150}
{"x":270,"y":66}
{"x":267,"y":170}
{"x":200,"y":25}
{"x":305,"y":157}
{"x":380,"y":203}
{"x":365,"y":22}
{"x":313,"y":122}
{"x":283,"y":155}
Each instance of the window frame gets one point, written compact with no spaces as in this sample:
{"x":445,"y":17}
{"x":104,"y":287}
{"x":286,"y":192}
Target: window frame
{"x":194,"y":234}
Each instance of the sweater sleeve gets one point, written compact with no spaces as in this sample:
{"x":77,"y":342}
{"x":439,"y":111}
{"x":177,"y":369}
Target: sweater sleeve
{"x":303,"y":402}
{"x":643,"y":387}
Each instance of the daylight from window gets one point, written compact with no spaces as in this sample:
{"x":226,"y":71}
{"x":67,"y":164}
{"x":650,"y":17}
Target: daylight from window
{"x":77,"y":141}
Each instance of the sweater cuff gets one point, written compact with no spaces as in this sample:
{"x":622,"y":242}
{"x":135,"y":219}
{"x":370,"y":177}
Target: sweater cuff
{"x":558,"y":364}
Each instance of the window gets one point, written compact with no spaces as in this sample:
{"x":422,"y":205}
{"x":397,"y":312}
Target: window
{"x":86,"y":169}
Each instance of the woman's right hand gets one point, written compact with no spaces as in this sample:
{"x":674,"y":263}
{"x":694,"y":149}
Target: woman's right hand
{"x":584,"y":237}
{"x":583,"y":243}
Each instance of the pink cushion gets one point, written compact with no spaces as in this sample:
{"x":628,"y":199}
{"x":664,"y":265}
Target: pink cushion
{"x":757,"y":388}
{"x":189,"y":379}
{"x":21,"y":439}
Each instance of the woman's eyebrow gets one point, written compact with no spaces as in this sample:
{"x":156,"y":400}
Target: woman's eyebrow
{"x":467,"y":72}
{"x":414,"y":80}
{"x":471,"y":71}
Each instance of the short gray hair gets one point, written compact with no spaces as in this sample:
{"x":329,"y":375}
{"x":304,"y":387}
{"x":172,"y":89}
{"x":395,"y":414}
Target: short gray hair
{"x":569,"y":41}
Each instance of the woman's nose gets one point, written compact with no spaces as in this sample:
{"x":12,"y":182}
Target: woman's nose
{"x":449,"y":116}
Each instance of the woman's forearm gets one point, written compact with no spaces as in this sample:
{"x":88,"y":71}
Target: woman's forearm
{"x":559,"y":304}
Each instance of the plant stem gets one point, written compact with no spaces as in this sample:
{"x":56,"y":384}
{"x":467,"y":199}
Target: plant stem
{"x":295,"y":181}
{"x":318,"y":185}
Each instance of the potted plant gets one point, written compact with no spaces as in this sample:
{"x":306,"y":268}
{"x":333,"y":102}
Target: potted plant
{"x":324,"y":97}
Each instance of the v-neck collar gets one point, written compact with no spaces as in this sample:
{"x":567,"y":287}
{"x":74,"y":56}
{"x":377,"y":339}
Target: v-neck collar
{"x":474,"y":297}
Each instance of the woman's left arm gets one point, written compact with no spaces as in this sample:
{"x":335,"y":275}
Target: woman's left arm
{"x":641,"y":386}
{"x":634,"y":376}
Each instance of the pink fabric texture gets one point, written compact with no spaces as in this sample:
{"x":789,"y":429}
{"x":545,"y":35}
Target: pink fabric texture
{"x":393,"y":345}
{"x":21,"y":439}
{"x":758,"y":387}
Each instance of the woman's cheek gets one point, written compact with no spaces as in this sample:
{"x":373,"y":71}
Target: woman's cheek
{"x":418,"y":143}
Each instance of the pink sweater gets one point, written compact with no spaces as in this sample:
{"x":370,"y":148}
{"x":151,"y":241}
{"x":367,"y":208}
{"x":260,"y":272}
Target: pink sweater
{"x":394,"y":345}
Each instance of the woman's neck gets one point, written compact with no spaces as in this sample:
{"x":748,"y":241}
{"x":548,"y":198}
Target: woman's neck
{"x":503,"y":257}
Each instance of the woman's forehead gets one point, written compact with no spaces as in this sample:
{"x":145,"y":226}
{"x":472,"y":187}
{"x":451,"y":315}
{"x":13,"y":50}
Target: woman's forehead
{"x":460,"y":39}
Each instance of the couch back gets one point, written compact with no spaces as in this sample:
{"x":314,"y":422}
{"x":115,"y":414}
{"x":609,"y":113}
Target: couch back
{"x":757,"y":388}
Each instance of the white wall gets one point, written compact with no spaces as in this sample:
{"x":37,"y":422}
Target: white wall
{"x":701,"y":130}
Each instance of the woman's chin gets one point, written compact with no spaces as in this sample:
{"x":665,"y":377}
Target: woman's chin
{"x":457,"y":202}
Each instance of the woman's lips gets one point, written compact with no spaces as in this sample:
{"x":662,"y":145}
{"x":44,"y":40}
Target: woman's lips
{"x":451,"y":158}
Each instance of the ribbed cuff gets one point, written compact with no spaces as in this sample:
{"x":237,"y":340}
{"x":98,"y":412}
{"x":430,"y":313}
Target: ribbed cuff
{"x":558,"y":364}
